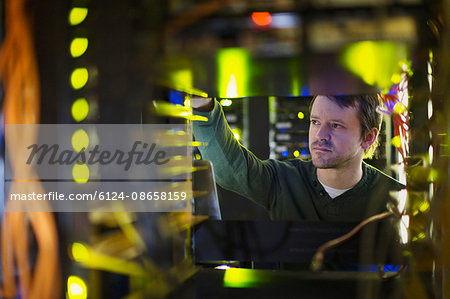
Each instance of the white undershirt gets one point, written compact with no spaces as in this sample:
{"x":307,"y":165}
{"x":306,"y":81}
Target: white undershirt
{"x":332,"y":191}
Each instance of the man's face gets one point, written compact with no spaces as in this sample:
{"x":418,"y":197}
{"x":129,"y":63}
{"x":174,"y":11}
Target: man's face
{"x":334,"y":134}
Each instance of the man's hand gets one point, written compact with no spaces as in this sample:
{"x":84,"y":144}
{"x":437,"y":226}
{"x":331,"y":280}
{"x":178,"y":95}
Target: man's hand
{"x":202,"y":104}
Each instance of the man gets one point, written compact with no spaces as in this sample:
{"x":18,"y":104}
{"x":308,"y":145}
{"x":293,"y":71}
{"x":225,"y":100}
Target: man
{"x":335,"y":185}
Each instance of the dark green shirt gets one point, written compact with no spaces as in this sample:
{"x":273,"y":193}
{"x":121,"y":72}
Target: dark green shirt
{"x":289,"y":190}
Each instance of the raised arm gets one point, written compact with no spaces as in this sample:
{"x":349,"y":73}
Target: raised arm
{"x":235,"y":167}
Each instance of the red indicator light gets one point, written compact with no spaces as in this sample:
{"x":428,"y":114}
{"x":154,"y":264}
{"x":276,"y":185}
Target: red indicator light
{"x":262,"y":18}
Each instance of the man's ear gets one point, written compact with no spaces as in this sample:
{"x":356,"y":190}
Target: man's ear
{"x":370,"y":138}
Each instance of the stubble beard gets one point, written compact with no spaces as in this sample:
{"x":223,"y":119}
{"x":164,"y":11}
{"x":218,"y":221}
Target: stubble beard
{"x":328,"y":160}
{"x":320,"y":161}
{"x":326,"y":163}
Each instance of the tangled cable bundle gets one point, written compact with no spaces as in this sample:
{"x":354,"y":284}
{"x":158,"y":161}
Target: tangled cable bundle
{"x":19,"y":76}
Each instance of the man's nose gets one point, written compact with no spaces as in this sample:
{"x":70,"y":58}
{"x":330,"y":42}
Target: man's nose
{"x":323,"y":132}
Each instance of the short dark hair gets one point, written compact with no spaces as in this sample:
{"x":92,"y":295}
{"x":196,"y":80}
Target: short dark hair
{"x":368,"y":115}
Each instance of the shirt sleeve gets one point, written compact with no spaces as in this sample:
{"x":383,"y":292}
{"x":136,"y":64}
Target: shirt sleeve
{"x":236,"y":168}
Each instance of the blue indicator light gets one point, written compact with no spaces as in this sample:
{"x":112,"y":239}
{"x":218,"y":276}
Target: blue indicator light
{"x":305,"y":91}
{"x":176,"y":98}
{"x":391,"y":268}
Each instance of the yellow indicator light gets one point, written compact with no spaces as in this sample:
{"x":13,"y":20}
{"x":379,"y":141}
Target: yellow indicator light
{"x":76,"y":288}
{"x":79,"y":252}
{"x":78,"y":46}
{"x":80,"y":140}
{"x":301,"y":115}
{"x":79,"y":78}
{"x":396,"y":78}
{"x":100,"y":261}
{"x":80,"y":173}
{"x":424,"y":207}
{"x":420,"y":236}
{"x":296,"y":154}
{"x":396,"y":141}
{"x":80,"y":109}
{"x":77,"y":15}
{"x":399,"y":108}
{"x":197,"y":143}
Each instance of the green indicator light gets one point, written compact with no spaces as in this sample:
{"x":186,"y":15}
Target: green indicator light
{"x":78,"y":46}
{"x":80,"y":109}
{"x":376,"y":62}
{"x":244,"y":278}
{"x":79,"y":78}
{"x":77,"y":15}
{"x":295,"y":86}
{"x":232,"y":72}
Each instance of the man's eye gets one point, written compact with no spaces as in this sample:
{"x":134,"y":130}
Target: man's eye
{"x":314,"y":122}
{"x":335,"y":126}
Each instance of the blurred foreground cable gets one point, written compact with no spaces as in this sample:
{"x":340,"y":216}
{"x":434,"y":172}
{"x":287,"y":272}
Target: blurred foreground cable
{"x":19,"y":75}
{"x":167,"y":109}
{"x":317,"y":259}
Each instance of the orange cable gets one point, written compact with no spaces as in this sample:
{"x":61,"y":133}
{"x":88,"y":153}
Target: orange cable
{"x":18,"y":71}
